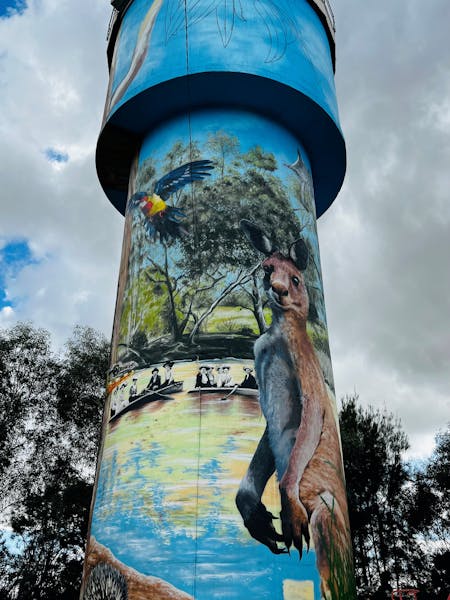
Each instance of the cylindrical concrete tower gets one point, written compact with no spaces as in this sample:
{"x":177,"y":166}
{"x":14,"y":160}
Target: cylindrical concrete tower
{"x":220,"y":463}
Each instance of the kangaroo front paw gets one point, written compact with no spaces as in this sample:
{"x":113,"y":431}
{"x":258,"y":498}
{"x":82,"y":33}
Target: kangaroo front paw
{"x":294,"y":520}
{"x":260,"y":527}
{"x":258,"y":521}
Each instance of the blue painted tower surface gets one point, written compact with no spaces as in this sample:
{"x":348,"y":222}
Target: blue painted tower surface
{"x":220,"y":472}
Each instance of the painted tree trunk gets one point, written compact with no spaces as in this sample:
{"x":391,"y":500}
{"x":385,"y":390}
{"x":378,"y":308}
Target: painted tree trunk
{"x":220,"y":463}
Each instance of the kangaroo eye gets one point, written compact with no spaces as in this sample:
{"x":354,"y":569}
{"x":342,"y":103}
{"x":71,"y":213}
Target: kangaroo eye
{"x":268,"y":269}
{"x":295,"y":281}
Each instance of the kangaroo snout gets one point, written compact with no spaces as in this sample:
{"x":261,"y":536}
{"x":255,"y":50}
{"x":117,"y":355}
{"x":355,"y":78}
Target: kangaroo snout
{"x":279,"y":288}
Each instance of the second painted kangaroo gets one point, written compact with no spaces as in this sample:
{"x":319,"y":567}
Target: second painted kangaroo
{"x":301,"y":440}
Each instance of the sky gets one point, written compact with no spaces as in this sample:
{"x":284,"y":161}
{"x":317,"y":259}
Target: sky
{"x":384,"y":242}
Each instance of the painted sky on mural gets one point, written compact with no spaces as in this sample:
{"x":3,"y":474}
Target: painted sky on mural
{"x":385,"y":242}
{"x":250,"y":45}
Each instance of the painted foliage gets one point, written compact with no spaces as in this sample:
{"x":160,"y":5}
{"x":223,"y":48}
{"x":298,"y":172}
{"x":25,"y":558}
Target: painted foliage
{"x":221,"y":450}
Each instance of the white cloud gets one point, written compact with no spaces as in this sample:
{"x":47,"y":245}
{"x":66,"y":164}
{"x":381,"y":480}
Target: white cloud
{"x":7,"y":316}
{"x":385,"y":242}
{"x":53,"y":77}
{"x":64,"y":289}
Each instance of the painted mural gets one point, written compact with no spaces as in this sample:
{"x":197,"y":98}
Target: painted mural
{"x":221,"y":463}
{"x":160,"y":40}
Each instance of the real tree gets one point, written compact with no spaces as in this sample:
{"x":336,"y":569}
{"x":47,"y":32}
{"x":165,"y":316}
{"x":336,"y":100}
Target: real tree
{"x":50,"y":412}
{"x":50,"y":415}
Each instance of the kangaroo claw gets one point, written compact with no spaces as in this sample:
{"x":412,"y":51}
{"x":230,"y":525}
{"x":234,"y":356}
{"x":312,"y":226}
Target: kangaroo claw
{"x":261,"y":528}
{"x":294,"y":522}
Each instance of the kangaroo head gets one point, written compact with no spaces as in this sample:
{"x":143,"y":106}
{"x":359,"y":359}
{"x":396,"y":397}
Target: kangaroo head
{"x":285,"y":285}
{"x":283,"y":277}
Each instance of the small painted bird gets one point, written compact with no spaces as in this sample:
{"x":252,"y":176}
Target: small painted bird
{"x":160,"y":218}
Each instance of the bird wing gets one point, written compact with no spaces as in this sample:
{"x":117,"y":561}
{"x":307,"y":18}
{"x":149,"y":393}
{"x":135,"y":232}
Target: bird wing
{"x":173,"y":214}
{"x":179,"y":177}
{"x":150,"y":228}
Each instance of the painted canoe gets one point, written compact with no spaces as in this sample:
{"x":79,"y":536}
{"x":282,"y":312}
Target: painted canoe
{"x":147,"y":396}
{"x":223,"y":391}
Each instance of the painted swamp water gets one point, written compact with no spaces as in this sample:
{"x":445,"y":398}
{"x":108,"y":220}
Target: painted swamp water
{"x":165,"y":500}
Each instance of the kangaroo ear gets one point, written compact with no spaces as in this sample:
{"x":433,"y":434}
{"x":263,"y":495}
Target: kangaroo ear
{"x":299,"y":254}
{"x":257,"y":237}
{"x":313,"y":315}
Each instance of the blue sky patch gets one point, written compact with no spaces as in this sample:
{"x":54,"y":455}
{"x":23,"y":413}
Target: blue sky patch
{"x":54,"y":155}
{"x":15,"y":543}
{"x":11,"y":7}
{"x":14,"y":256}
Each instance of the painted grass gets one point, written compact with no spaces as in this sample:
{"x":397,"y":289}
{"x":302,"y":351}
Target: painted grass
{"x":237,"y":319}
{"x":341,"y":582}
{"x":233,"y":319}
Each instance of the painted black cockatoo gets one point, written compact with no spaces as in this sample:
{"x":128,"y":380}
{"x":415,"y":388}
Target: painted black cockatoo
{"x":160,"y":218}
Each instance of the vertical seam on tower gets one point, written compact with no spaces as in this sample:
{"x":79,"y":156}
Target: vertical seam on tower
{"x":194,"y":228}
{"x":189,"y":102}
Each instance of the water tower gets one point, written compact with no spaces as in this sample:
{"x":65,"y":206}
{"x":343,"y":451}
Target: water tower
{"x":220,"y":472}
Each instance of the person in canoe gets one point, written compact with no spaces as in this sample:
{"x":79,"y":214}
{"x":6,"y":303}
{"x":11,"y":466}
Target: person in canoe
{"x":119,"y":398}
{"x":168,"y":373}
{"x":226,"y":377}
{"x":202,"y":379}
{"x":211,"y":376}
{"x":249,"y":380}
{"x":155,"y":380}
{"x":115,"y":405}
{"x":133,"y":390}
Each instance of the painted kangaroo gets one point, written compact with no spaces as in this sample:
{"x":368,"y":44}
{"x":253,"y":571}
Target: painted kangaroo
{"x":301,"y":440}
